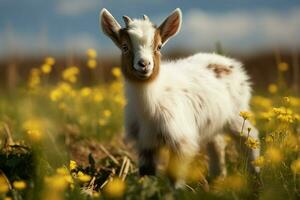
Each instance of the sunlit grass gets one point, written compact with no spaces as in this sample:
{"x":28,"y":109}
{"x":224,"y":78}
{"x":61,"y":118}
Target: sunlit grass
{"x":42,"y":122}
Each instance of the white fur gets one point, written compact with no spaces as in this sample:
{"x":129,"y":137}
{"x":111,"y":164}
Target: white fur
{"x":187,"y":104}
{"x":141,"y":33}
{"x":183,"y":98}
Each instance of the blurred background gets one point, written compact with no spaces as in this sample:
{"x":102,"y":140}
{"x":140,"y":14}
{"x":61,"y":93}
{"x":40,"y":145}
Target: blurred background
{"x":260,"y":33}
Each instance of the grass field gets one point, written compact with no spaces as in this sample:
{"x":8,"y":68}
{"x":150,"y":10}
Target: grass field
{"x":63,"y":140}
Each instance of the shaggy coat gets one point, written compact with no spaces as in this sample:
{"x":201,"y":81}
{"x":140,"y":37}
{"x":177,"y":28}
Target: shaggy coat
{"x":183,"y":104}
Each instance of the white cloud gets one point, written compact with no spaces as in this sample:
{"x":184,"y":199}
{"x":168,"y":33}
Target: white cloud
{"x":76,"y":7}
{"x":241,"y":30}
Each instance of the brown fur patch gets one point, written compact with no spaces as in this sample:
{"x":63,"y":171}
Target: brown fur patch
{"x":219,"y":70}
{"x":128,"y":58}
{"x":169,"y":27}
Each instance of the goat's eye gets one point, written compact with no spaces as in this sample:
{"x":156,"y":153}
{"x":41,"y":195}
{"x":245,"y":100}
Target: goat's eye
{"x":125,"y":48}
{"x":159,"y":47}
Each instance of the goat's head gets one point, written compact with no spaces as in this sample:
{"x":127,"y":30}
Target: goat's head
{"x":140,"y":42}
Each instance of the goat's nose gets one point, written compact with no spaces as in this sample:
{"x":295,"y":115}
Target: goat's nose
{"x":143,"y":63}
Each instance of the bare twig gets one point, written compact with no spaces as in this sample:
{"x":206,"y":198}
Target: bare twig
{"x":108,"y":179}
{"x":192,"y":189}
{"x":122,"y":167}
{"x":90,"y":188}
{"x":126,"y":169}
{"x":109,"y":155}
{"x":6,"y":179}
{"x":105,"y":182}
{"x":8,"y":141}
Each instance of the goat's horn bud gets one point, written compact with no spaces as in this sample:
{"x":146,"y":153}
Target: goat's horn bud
{"x":127,"y":20}
{"x":146,"y":17}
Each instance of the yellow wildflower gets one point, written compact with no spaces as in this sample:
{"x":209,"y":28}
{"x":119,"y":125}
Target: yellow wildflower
{"x":120,"y":100}
{"x":98,"y":97}
{"x":107,"y":113}
{"x":295,"y":166}
{"x":286,"y":118}
{"x":3,"y":185}
{"x":83,"y":177}
{"x":68,"y":178}
{"x":116,"y":72}
{"x":56,"y":182}
{"x":35,"y":135}
{"x":252,"y":143}
{"x":70,"y":74}
{"x":245,"y":115}
{"x":34,"y":79}
{"x":96,"y":194}
{"x":49,"y":61}
{"x":8,"y":198}
{"x":115,"y":188}
{"x":283,"y":66}
{"x":273,"y":155}
{"x":86,"y":91}
{"x":91,"y":53}
{"x":46,"y":69}
{"x":259,"y":162}
{"x":284,"y":114}
{"x":72,"y":165}
{"x":55,"y":94}
{"x":65,"y":87}
{"x":62,"y":171}
{"x":273,"y":88}
{"x":117,"y":86}
{"x":92,"y":63}
{"x":34,"y":129}
{"x":19,"y":185}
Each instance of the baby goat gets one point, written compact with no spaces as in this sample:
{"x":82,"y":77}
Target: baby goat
{"x":183,"y":104}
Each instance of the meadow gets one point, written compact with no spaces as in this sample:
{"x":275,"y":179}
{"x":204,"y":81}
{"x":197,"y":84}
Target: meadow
{"x":63,"y":139}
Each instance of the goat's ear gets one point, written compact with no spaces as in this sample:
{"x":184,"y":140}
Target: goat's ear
{"x":171,"y":25}
{"x":110,"y":26}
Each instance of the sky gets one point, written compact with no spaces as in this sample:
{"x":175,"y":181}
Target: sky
{"x":58,"y":26}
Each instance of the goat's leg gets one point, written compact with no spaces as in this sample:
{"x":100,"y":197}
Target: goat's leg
{"x":241,"y":137}
{"x":180,"y":160}
{"x":216,"y":153}
{"x":147,"y":162}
